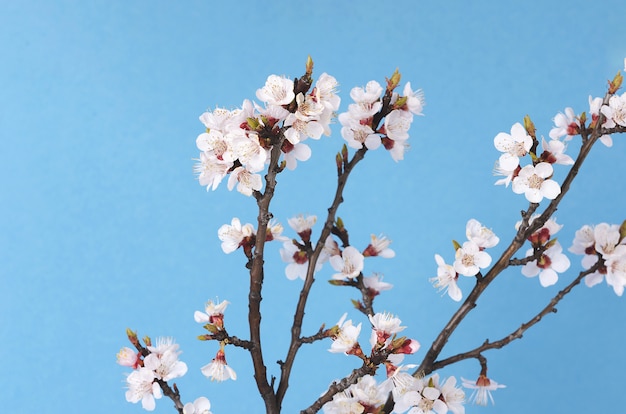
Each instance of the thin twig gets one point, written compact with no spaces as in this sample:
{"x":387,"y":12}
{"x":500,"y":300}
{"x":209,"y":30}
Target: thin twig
{"x":518,"y":333}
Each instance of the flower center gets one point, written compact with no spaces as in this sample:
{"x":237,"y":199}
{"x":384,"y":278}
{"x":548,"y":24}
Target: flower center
{"x":534,"y":181}
{"x":467,"y":260}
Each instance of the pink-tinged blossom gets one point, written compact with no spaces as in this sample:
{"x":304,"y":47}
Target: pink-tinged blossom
{"x":396,"y":148}
{"x":481,"y":235}
{"x":469,"y":259}
{"x":358,"y":135}
{"x":302,"y":129}
{"x":347,"y":338}
{"x":349,"y":265}
{"x":201,"y":405}
{"x":234,"y":235}
{"x":278,"y":90}
{"x":565,"y":125}
{"x":297,"y":261}
{"x":210,"y":170}
{"x":446,"y":279}
{"x":369,"y":94}
{"x":248,"y":151}
{"x":513,"y":146}
{"x":554,"y":152}
{"x":409,"y":346}
{"x":216,"y":119}
{"x":534,"y":183}
{"x":551,"y":262}
{"x":326,"y":91}
{"x":584,"y":241}
{"x":246,"y":181}
{"x":218,"y":369}
{"x":414,"y":99}
{"x":331,"y":248}
{"x":584,"y":244}
{"x":275,"y":231}
{"x":384,"y":326}
{"x":616,"y":273}
{"x":379,"y":246}
{"x":616,"y":109}
{"x":215,"y":143}
{"x":302,"y":225}
{"x":397,"y":125}
{"x":295,"y":153}
{"x":375,"y":284}
{"x":128,"y":357}
{"x":453,"y":396}
{"x":213,"y":313}
{"x":482,"y":387}
{"x":142,"y":387}
{"x":309,"y":108}
{"x":595,"y":105}
{"x":166,"y":365}
{"x":367,"y":101}
{"x":398,"y":380}
{"x":425,"y":398}
{"x":356,"y":398}
{"x":607,"y":240}
{"x":507,"y":174}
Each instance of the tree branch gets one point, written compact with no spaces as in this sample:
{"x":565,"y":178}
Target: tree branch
{"x":518,"y":333}
{"x":524,"y":231}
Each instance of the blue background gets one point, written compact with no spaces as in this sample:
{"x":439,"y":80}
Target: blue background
{"x":103,"y":227}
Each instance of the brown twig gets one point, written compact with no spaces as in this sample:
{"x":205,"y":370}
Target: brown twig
{"x":518,"y":333}
{"x":525,"y":230}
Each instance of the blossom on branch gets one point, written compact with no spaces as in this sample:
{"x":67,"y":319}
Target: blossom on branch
{"x":213,"y":313}
{"x":482,"y":389}
{"x":201,"y":405}
{"x":379,"y":246}
{"x":278,"y":90}
{"x":551,"y":262}
{"x":142,"y":387}
{"x":566,"y":125}
{"x":535,"y":183}
{"x":513,"y":146}
{"x":384,"y":326}
{"x":483,"y":237}
{"x":616,"y":109}
{"x":469,"y":259}
{"x":554,"y":152}
{"x":606,"y":241}
{"x":446,"y":279}
{"x":218,"y":369}
{"x":348,"y":265}
{"x":346,"y":338}
{"x":128,"y":357}
{"x":234,"y":235}
{"x":375,"y":284}
{"x":595,"y":105}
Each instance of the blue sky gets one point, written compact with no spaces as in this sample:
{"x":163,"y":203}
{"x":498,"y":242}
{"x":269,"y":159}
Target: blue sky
{"x":103,"y":226}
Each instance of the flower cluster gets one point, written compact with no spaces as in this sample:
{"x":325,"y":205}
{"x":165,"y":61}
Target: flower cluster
{"x":605,"y":242}
{"x":213,"y":320}
{"x":383,"y":338}
{"x":469,"y":259}
{"x":411,"y":395}
{"x":234,"y":235}
{"x":238,"y":142}
{"x":532,"y":180}
{"x":550,"y":260}
{"x":156,"y":364}
{"x":366,"y":396}
{"x":360,"y":124}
